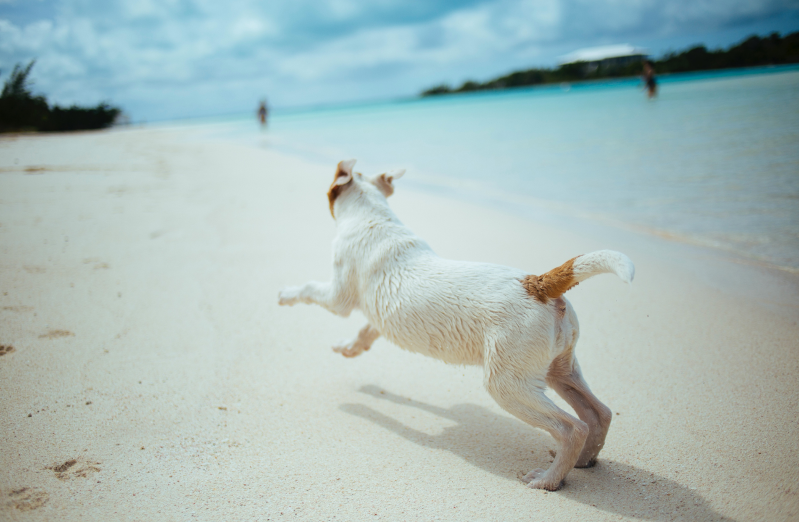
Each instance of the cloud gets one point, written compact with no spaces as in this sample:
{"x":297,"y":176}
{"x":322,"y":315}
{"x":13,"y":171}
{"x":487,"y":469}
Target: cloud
{"x":161,"y":57}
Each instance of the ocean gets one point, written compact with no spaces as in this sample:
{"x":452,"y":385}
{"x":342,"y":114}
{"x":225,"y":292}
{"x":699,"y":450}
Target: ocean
{"x":712,"y":161}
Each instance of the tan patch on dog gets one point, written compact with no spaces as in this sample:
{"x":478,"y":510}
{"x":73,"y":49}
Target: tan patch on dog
{"x":332,"y":194}
{"x":553,"y":284}
{"x":383,"y":184}
{"x":335,"y":189}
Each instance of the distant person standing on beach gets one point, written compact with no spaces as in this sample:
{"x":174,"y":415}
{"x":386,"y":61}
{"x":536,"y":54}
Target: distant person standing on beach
{"x":263,"y":113}
{"x":649,"y":79}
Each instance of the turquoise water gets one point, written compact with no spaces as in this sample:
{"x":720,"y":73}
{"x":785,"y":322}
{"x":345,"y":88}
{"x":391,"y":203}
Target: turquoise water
{"x":714,"y":160}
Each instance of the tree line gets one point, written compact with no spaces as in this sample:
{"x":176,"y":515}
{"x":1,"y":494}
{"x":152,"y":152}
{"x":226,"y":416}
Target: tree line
{"x":21,"y":110}
{"x":753,"y":51}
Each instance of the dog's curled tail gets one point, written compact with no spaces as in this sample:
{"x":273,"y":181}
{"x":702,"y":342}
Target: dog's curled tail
{"x":559,"y":280}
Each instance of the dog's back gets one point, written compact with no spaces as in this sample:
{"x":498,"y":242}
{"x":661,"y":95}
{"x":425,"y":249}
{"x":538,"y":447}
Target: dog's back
{"x":446,"y":309}
{"x":458,"y":311}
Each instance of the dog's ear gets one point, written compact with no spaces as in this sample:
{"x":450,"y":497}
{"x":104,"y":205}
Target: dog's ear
{"x":344,"y":172}
{"x":343,"y":176}
{"x":385,"y":182}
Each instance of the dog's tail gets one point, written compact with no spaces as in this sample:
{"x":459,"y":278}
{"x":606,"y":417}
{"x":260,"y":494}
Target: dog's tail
{"x":559,"y":280}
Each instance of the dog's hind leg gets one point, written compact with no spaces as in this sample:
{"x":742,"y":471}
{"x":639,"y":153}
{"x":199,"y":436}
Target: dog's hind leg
{"x":565,"y":378}
{"x":525,"y":399}
{"x":361,"y":343}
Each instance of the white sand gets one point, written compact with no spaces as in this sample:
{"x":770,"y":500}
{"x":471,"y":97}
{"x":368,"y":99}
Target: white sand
{"x":138,"y":286}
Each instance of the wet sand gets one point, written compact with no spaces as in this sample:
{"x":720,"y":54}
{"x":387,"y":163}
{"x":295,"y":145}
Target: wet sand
{"x":148,"y":373}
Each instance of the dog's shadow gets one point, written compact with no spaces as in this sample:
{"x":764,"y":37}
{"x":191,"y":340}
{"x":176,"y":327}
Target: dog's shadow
{"x":501,"y":445}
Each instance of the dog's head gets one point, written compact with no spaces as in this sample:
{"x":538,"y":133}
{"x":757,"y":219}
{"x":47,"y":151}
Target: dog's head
{"x":345,"y":181}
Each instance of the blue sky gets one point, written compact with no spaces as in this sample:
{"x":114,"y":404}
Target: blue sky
{"x":165,"y":59}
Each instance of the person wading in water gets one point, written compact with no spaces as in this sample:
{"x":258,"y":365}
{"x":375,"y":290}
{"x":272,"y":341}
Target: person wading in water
{"x":649,"y":79}
{"x":263,"y":112}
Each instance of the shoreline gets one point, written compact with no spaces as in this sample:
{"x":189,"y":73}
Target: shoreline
{"x":726,"y":269}
{"x":525,"y":206}
{"x":549,"y":211}
{"x":154,"y":377}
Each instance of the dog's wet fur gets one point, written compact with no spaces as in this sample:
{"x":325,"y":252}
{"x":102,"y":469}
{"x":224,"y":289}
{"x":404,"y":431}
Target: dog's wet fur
{"x":518,"y":327}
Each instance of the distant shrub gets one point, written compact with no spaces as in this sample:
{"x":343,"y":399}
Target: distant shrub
{"x":79,"y":118}
{"x":21,"y":110}
{"x":439,"y":89}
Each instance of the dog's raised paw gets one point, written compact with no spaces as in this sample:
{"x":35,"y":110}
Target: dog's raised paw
{"x":349,"y":348}
{"x":287,"y":297}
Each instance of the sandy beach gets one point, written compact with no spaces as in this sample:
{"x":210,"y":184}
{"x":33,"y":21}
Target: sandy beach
{"x":148,"y":373}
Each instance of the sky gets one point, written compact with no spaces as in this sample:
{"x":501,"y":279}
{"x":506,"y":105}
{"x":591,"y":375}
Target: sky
{"x":171,"y":59}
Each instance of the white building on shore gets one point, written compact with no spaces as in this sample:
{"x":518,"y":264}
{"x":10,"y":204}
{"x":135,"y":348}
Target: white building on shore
{"x":607,"y":55}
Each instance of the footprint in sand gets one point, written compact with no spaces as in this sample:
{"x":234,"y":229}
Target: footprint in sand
{"x":26,"y":499}
{"x":18,"y":308}
{"x":55,"y":334}
{"x":98,"y":265}
{"x":6,"y":348}
{"x":74,"y":468}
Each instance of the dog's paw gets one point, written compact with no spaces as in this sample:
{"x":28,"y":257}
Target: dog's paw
{"x":288,"y":296}
{"x":535,"y":479}
{"x":533,"y":475}
{"x":590,"y":463}
{"x":351,"y":348}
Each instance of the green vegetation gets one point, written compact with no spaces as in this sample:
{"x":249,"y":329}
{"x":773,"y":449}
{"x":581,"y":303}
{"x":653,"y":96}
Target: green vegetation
{"x":754,"y":51}
{"x":21,"y":110}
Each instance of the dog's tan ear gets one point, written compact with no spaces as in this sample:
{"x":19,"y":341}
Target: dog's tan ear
{"x":343,"y":176}
{"x":385,"y":182}
{"x":344,"y":172}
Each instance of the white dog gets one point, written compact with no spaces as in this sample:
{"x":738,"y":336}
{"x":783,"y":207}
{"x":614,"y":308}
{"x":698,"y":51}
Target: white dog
{"x":517,"y":326}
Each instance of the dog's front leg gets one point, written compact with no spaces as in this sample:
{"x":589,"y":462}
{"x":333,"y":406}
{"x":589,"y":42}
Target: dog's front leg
{"x":362,"y":342}
{"x":332,"y":296}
